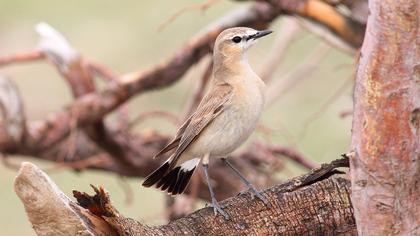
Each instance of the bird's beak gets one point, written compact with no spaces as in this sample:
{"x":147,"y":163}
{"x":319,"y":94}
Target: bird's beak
{"x":260,"y":34}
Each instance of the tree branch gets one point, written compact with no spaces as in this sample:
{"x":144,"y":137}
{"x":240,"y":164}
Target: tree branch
{"x":345,"y":28}
{"x":326,"y":195}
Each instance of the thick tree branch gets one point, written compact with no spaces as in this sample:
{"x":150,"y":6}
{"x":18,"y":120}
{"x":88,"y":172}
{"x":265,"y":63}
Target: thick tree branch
{"x":317,"y":202}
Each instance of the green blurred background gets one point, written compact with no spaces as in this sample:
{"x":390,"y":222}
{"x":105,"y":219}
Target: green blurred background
{"x":123,"y":35}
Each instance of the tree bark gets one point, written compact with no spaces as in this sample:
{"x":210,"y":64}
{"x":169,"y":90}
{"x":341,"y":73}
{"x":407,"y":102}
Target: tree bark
{"x":385,"y":171}
{"x":316,"y":203}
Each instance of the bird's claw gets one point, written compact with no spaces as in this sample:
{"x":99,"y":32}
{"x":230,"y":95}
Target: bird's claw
{"x":218,"y":209}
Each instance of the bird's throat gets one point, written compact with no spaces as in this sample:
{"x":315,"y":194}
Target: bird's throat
{"x":230,"y":67}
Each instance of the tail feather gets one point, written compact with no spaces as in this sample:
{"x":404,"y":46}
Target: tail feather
{"x":169,"y":179}
{"x":173,"y":181}
{"x":185,"y":181}
{"x":177,"y":187}
{"x":156,"y":175}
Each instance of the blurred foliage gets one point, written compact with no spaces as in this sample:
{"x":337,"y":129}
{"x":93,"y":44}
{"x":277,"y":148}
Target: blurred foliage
{"x":123,"y":35}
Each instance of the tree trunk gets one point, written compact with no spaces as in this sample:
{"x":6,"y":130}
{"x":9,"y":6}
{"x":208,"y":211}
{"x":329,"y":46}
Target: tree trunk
{"x":317,"y":203}
{"x":385,"y":171}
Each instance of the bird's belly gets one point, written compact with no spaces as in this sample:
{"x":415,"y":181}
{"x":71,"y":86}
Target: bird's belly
{"x":229,"y":130}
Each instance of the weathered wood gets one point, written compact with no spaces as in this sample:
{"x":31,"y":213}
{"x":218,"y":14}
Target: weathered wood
{"x":385,"y":168}
{"x":316,"y":203}
{"x":49,"y":210}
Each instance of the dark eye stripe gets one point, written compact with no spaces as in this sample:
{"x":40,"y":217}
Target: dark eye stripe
{"x":237,"y":39}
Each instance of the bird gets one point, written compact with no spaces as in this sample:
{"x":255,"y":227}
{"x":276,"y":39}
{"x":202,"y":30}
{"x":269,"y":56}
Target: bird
{"x":224,"y":119}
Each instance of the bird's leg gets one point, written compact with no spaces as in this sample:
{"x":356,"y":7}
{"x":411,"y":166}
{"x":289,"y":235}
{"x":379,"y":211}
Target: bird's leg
{"x":216,"y":207}
{"x":254,"y":191}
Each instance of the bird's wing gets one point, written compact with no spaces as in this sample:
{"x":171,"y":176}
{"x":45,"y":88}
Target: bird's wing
{"x":208,"y":109}
{"x":175,"y":142}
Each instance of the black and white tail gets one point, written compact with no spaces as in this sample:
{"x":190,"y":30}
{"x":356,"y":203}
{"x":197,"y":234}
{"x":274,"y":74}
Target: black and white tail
{"x":175,"y":180}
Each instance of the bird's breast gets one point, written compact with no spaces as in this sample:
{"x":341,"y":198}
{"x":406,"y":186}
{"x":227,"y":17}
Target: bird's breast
{"x":235,"y":124}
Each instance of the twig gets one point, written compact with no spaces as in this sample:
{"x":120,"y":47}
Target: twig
{"x":21,"y":57}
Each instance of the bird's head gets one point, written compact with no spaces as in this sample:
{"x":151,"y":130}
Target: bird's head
{"x":234,"y":42}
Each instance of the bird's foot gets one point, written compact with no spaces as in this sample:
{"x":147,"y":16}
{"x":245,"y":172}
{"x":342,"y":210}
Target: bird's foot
{"x":218,"y":209}
{"x":255,"y":193}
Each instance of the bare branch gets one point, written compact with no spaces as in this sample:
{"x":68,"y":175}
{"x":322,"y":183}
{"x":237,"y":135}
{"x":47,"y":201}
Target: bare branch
{"x":21,"y":57}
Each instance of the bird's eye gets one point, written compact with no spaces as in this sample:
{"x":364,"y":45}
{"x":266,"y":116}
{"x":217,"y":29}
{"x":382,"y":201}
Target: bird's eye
{"x":237,"y":39}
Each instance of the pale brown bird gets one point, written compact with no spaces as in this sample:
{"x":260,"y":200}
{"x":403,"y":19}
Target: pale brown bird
{"x":224,"y":119}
